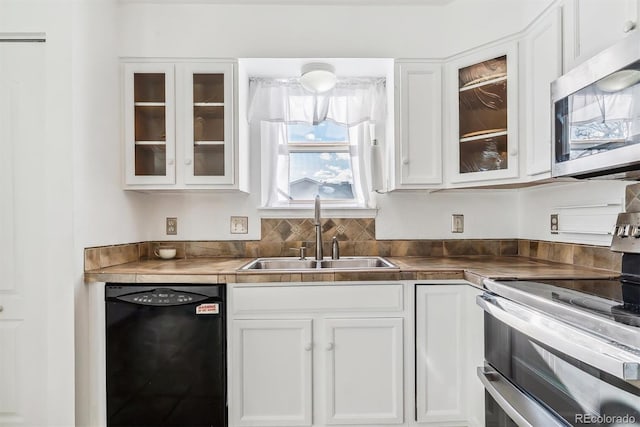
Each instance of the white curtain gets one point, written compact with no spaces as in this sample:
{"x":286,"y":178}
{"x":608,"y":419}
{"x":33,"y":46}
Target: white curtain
{"x":359,"y":104}
{"x":351,"y":102}
{"x":275,"y":161}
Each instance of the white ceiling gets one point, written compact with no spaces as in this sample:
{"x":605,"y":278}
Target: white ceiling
{"x":306,"y":2}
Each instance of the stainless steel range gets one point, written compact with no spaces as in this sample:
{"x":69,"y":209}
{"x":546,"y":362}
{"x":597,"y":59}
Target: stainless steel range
{"x":566,"y":352}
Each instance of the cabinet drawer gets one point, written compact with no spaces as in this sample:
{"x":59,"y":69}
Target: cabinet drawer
{"x":333,"y":298}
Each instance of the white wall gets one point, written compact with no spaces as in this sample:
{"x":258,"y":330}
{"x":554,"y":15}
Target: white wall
{"x":488,"y":214}
{"x":590,"y":206}
{"x":103,"y":214}
{"x":238,"y":31}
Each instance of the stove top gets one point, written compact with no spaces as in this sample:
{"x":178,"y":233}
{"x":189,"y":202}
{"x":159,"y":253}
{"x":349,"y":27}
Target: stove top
{"x":596,"y":305}
{"x":612,"y":299}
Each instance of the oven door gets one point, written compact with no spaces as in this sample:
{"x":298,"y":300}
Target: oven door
{"x":542,"y":372}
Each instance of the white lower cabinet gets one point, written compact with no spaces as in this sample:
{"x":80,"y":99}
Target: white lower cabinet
{"x":336,"y":361}
{"x":449,"y":347}
{"x":364,"y":371}
{"x":357,"y":355}
{"x":272,"y":372}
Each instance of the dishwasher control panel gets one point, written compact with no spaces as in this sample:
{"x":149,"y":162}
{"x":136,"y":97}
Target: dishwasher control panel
{"x":162,"y":297}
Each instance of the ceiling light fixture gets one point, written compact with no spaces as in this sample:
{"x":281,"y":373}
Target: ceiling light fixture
{"x":318,"y":77}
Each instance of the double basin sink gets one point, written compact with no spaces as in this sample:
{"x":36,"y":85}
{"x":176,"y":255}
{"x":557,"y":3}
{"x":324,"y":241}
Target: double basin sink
{"x":297,"y":264}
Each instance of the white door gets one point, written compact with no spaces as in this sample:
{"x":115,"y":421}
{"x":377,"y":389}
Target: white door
{"x":593,"y":25}
{"x":271,"y":373}
{"x":206,"y":98}
{"x":544,"y":64}
{"x":149,"y":124}
{"x":23,"y":350}
{"x":449,"y":347}
{"x":478,"y":147}
{"x":440,"y":354}
{"x":418,"y":125}
{"x":364,"y":359}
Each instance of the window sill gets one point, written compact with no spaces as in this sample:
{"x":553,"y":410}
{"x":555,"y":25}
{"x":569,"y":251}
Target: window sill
{"x":308,"y":212}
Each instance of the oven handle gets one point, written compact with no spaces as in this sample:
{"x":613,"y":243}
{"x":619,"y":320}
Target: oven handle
{"x":522,"y":409}
{"x":616,"y":359}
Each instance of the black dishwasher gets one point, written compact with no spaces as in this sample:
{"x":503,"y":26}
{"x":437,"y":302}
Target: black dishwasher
{"x":166,"y":355}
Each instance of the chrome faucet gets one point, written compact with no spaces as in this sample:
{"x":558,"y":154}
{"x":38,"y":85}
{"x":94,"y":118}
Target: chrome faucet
{"x":319,"y":254}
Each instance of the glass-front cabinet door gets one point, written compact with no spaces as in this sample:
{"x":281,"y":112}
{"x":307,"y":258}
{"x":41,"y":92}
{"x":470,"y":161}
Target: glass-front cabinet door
{"x":208,"y":130}
{"x":484,"y":134}
{"x":149,"y":124}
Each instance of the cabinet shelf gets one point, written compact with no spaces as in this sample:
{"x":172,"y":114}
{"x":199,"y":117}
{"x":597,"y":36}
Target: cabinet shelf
{"x":151,"y":142}
{"x":208,"y":143}
{"x":483,"y":82}
{"x":208,"y":104}
{"x":150,"y":104}
{"x":480,"y":135}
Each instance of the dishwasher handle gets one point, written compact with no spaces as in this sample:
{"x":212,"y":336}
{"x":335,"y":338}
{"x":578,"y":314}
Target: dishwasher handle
{"x":521,"y":408}
{"x":611,"y":357}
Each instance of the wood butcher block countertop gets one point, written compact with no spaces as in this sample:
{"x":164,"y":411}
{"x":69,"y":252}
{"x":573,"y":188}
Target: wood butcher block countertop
{"x":225,"y":270}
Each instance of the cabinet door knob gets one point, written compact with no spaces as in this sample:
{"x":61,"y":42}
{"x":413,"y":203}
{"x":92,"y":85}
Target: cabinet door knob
{"x":513,"y":153}
{"x":330,"y":346}
{"x":1,"y":308}
{"x":187,"y":162}
{"x":170,"y":162}
{"x":308,"y":346}
{"x":405,"y":161}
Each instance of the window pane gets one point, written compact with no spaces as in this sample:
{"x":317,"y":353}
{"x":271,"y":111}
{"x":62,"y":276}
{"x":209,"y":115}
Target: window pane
{"x":326,"y":131}
{"x":324,"y":173}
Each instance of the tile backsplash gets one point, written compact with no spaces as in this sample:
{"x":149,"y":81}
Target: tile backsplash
{"x":282,"y":237}
{"x":567,"y":253}
{"x":632,"y":198}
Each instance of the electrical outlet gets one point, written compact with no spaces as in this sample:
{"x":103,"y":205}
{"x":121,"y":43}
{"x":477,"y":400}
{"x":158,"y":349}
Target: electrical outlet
{"x":554,"y":225}
{"x":172,"y":226}
{"x":457,"y":223}
{"x":239,"y":225}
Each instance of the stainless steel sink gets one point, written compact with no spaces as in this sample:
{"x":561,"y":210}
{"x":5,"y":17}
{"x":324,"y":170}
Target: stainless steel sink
{"x":280,"y":264}
{"x":357,"y":263}
{"x":296,"y":264}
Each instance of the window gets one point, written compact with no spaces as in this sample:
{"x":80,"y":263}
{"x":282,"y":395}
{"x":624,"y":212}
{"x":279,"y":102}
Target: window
{"x":319,"y":162}
{"x":316,"y":144}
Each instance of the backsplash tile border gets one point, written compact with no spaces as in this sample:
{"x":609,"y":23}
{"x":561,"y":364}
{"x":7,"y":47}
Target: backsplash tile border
{"x":281,"y":236}
{"x":570,"y":253}
{"x":96,"y":258}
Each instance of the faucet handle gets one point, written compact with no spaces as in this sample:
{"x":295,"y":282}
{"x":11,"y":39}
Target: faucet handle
{"x":302,"y":250}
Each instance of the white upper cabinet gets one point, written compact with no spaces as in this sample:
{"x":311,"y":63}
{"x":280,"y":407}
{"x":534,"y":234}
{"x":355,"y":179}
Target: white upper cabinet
{"x":179,"y":125}
{"x":208,"y":117}
{"x":593,"y":25}
{"x":543,"y":64}
{"x":482,"y":99}
{"x":418,"y":107}
{"x":149,"y":124}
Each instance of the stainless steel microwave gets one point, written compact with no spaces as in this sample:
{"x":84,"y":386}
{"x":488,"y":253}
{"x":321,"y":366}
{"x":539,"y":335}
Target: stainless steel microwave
{"x":596,"y":115}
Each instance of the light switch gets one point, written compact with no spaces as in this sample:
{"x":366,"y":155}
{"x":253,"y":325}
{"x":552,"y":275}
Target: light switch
{"x":457,"y":223}
{"x":239,"y":225}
